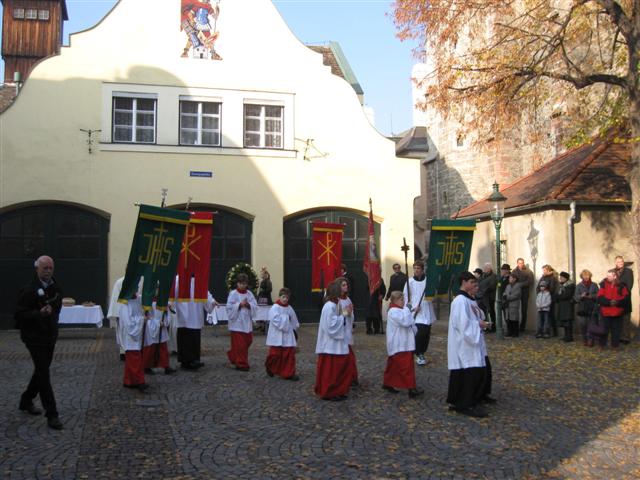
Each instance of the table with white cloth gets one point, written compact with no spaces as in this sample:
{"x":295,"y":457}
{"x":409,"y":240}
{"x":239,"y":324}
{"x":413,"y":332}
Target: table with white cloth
{"x":81,"y":315}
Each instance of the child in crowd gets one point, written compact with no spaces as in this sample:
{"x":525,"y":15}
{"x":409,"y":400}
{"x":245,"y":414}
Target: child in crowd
{"x":281,"y":338}
{"x":400,"y":371}
{"x":241,"y":311}
{"x":543,"y":304}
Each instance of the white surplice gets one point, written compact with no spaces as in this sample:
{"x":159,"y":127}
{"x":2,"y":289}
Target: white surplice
{"x":343,"y":303}
{"x":241,"y":319}
{"x":465,"y":345}
{"x":414,"y":294}
{"x":332,"y":337}
{"x":400,"y":331}
{"x":283,"y":321}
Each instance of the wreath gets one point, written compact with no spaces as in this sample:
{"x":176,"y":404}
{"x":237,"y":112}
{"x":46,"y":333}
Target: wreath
{"x":245,"y":268}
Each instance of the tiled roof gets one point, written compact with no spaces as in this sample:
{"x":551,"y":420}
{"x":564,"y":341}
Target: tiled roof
{"x":413,"y":143}
{"x":7,"y":94}
{"x":595,"y":173}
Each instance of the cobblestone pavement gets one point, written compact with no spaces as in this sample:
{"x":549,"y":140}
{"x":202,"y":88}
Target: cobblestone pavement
{"x":563,"y":411}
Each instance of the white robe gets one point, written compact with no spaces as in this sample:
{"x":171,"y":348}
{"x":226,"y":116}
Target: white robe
{"x":156,"y":330}
{"x":414,"y":290}
{"x":241,"y":319}
{"x":132,"y":318}
{"x":348,"y":331}
{"x":282,"y":323}
{"x":465,"y":345}
{"x":331,"y":331}
{"x":113,"y":314}
{"x":400,"y":331}
{"x":189,"y":312}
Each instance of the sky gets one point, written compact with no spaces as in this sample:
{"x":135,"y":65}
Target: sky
{"x":363,"y":28}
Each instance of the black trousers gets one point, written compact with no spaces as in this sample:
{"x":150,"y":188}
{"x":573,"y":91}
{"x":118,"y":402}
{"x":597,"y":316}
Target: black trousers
{"x":188,"y":340}
{"x":40,"y":383}
{"x":423,"y":335}
{"x":524,"y":306}
{"x":373,"y":324}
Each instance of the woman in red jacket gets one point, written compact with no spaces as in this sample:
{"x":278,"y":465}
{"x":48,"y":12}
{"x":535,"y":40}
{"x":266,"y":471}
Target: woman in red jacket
{"x":612,"y":298}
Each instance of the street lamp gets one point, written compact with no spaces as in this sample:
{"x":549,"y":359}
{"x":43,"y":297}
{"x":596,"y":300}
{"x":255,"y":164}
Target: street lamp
{"x":496,"y":203}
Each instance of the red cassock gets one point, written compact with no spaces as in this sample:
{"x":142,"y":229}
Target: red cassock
{"x":156,"y":356}
{"x":333,"y":375}
{"x":239,"y":353}
{"x":400,"y":371}
{"x":352,"y":365}
{"x":281,"y":361}
{"x":133,"y":368}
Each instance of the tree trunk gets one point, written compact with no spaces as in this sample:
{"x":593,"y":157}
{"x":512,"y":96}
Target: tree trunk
{"x":634,"y":183}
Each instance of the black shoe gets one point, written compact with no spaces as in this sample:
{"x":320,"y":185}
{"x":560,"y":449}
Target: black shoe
{"x":488,"y":399}
{"x":198,"y":364}
{"x":339,"y":398}
{"x":187,"y":366}
{"x":355,"y":383}
{"x":30,"y":409}
{"x":293,"y":378}
{"x":142,"y":387}
{"x":169,"y":371}
{"x":122,"y":358}
{"x":624,"y":342}
{"x":415,"y":392}
{"x":476,"y":412}
{"x":269,"y":372}
{"x":390,"y":389}
{"x":55,"y":423}
{"x":149,"y":371}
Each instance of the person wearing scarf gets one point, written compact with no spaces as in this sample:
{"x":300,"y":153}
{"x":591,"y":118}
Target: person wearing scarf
{"x":241,"y":311}
{"x":281,"y":338}
{"x":334,"y":375}
{"x":468,"y":362}
{"x":400,"y":371}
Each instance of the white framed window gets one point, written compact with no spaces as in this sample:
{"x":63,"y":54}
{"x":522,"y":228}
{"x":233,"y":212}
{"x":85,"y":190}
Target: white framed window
{"x":263,"y":126}
{"x":31,"y":14}
{"x":18,"y":13}
{"x":43,"y":14}
{"x":134,"y":119}
{"x":200,"y":123}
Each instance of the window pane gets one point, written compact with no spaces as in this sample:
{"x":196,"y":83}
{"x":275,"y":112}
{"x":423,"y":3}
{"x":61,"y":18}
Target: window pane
{"x":348,"y":251}
{"x":189,"y":121}
{"x":11,"y":248}
{"x":272,"y":141}
{"x":273,"y":112}
{"x":210,"y":108}
{"x":252,"y":125}
{"x":188,"y":137}
{"x":33,"y":247}
{"x":210,"y":138}
{"x":18,"y":13}
{"x":252,"y":110}
{"x":31,"y":13}
{"x":210,"y":123}
{"x":217,"y":249}
{"x":234,"y":228}
{"x":33,"y":224}
{"x":123,"y":134}
{"x":124,"y":103}
{"x":189,"y":107}
{"x":235,"y":250}
{"x":349,"y":227}
{"x":299,"y":250}
{"x":144,"y":120}
{"x":144,"y":135}
{"x":146,"y":104}
{"x":43,"y":14}
{"x":252,"y":139}
{"x":273,"y":126}
{"x":123,"y":118}
{"x":88,"y":225}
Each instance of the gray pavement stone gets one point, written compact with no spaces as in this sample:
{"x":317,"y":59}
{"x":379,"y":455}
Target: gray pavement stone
{"x":564,"y":411}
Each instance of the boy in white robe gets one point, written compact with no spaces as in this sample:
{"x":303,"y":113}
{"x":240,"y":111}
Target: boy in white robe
{"x":242,"y":308}
{"x":400,"y":371}
{"x":155,"y":353}
{"x":421,"y":308}
{"x":346,"y":310}
{"x":133,"y":320}
{"x":468,"y":362}
{"x":333,"y":371}
{"x":281,"y":338}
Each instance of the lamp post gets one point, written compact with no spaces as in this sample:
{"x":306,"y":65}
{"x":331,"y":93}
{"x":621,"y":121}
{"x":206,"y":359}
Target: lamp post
{"x":496,"y":202}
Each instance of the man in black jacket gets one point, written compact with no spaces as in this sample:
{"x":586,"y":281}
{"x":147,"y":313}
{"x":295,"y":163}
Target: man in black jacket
{"x":625,"y":276}
{"x":397,"y":280}
{"x":39,"y":305}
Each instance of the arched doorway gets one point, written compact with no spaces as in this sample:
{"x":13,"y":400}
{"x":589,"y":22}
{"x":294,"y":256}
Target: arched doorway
{"x":75,"y":237}
{"x":297,"y":260}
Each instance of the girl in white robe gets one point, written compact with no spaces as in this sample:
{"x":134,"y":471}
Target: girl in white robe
{"x":242,"y":308}
{"x":346,"y":309}
{"x":281,"y":338}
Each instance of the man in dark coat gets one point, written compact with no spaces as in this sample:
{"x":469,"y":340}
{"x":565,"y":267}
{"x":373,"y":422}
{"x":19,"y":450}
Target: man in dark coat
{"x":374,"y":312}
{"x":38,"y":307}
{"x":396,"y":281}
{"x":487,"y":292}
{"x":625,"y":276}
{"x":525,"y":279}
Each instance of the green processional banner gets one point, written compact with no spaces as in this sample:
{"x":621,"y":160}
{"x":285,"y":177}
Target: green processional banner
{"x":154,"y":254}
{"x":449,"y":251}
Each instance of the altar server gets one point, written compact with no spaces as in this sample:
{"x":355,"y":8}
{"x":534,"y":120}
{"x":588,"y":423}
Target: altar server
{"x":155,"y":353}
{"x":421,"y":308}
{"x":242,"y":308}
{"x":190,"y":314}
{"x":281,"y":338}
{"x":400,"y":371}
{"x":113,"y":315}
{"x":333,"y":373}
{"x":346,"y":309}
{"x":469,"y":367}
{"x":133,"y":319}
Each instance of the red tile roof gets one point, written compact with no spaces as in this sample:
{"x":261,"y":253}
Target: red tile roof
{"x":595,"y":173}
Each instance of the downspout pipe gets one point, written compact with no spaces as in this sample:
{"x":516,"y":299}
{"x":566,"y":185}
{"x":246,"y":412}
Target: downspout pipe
{"x":572,"y":241}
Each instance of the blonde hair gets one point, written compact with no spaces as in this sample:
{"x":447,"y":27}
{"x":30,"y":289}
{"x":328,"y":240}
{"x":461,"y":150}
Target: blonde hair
{"x":395,"y":295}
{"x":586,"y":272}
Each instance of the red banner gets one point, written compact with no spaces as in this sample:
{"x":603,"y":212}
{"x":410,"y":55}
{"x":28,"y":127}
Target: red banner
{"x":195,"y":257}
{"x":371,"y":260}
{"x":326,"y":254}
